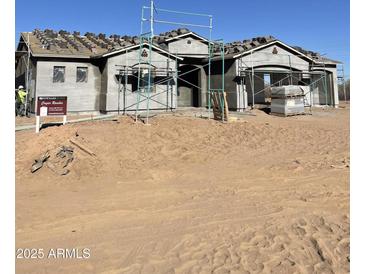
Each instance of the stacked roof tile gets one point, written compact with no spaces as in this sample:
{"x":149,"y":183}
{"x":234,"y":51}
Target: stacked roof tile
{"x":90,"y":44}
{"x":315,"y":55}
{"x":242,"y":46}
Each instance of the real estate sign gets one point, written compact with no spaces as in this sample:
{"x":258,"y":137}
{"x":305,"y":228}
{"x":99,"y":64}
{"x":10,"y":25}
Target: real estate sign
{"x":51,"y":105}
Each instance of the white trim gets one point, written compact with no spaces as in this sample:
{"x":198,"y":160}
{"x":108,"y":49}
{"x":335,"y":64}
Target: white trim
{"x":136,"y":46}
{"x":194,"y":55}
{"x":187,"y":34}
{"x":61,"y":56}
{"x":271,"y":43}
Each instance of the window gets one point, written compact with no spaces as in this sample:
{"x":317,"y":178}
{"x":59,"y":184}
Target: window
{"x":189,"y":42}
{"x":267,"y":85}
{"x":81,"y":74}
{"x":267,"y":80}
{"x":58,"y":74}
{"x":143,"y":81}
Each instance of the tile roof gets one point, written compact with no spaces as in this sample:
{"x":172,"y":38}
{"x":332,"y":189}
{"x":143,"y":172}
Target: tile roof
{"x":62,"y":43}
{"x":49,"y":42}
{"x":245,"y":45}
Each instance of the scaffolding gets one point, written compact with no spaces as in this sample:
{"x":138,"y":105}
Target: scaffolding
{"x":251,"y":71}
{"x":25,"y":55}
{"x":145,"y":72}
{"x":341,"y":81}
{"x":130,"y":73}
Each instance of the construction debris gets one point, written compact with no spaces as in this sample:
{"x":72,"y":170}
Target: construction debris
{"x":82,"y":147}
{"x":38,"y":163}
{"x":66,"y":153}
{"x":57,"y":163}
{"x":61,"y":160}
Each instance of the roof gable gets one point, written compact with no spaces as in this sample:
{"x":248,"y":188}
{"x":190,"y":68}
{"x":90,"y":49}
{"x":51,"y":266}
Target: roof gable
{"x":145,"y":45}
{"x":277,"y":42}
{"x":189,"y":34}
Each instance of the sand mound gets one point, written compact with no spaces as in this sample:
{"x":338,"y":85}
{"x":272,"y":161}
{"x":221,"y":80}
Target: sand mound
{"x":185,"y":195}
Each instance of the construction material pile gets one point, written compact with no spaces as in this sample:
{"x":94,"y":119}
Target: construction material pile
{"x":58,"y":162}
{"x":241,"y":46}
{"x":309,"y":53}
{"x":59,"y":159}
{"x":287,"y":100}
{"x":314,"y":55}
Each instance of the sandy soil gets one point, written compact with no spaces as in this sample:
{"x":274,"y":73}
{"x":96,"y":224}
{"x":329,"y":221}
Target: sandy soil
{"x":186,"y":195}
{"x":23,"y":120}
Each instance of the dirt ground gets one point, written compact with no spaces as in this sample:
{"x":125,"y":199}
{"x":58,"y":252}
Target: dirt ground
{"x":23,"y":120}
{"x":264,"y":194}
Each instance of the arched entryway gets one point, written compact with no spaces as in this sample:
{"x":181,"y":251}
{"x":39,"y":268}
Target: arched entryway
{"x":267,"y":76}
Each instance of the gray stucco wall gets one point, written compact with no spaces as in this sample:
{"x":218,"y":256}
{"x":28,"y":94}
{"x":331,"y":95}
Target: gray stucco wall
{"x":234,"y":94}
{"x":183,"y":47}
{"x":332,"y":81}
{"x":320,"y":97}
{"x":189,"y":80}
{"x":160,"y":97}
{"x":80,"y":96}
{"x":203,"y":83}
{"x":104,"y":86}
{"x":188,"y":95}
{"x":283,"y":57}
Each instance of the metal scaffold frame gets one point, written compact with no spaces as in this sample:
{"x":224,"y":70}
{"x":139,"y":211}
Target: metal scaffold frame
{"x":245,"y":69}
{"x":146,"y":84}
{"x":220,"y":46}
{"x":341,"y":81}
{"x":27,"y":72}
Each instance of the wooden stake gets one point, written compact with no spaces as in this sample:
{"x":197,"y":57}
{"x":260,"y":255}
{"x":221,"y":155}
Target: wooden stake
{"x":82,"y":147}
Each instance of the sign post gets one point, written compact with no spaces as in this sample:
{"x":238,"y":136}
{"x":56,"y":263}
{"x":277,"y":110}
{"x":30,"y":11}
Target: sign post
{"x":51,"y":106}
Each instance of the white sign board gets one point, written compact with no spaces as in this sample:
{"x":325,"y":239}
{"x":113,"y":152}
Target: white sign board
{"x":43,"y":111}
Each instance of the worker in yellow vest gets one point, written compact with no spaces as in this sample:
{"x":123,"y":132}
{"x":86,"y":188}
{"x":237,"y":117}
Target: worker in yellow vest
{"x":21,"y":96}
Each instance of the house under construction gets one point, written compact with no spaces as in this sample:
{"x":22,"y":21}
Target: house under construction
{"x":103,"y":74}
